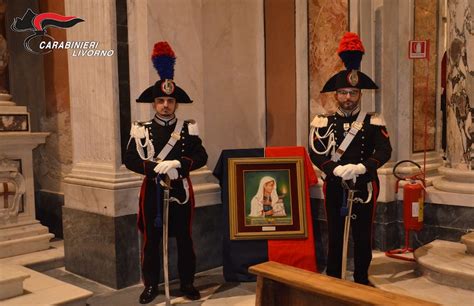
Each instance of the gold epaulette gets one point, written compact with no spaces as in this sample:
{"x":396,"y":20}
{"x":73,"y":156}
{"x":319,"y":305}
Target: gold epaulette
{"x":141,"y":123}
{"x":376,"y":119}
{"x":320,"y":120}
{"x":138,"y":128}
{"x":192,"y":127}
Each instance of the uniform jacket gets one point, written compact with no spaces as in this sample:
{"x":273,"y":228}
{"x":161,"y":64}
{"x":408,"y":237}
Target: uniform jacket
{"x":188,"y":150}
{"x":370,"y":147}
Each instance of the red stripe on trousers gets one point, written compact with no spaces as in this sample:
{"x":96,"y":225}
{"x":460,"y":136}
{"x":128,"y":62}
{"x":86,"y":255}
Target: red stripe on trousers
{"x":142,"y":209}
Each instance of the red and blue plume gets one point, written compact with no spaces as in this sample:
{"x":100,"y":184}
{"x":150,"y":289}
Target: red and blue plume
{"x":351,"y":51}
{"x":163,"y":59}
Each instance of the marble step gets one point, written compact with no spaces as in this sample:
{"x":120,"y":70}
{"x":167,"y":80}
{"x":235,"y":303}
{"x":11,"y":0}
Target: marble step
{"x":446,"y":263}
{"x":40,"y":261}
{"x":468,"y":240}
{"x":25,"y":245}
{"x":399,"y":276}
{"x":11,"y":281}
{"x":40,"y":289}
{"x":23,"y":231}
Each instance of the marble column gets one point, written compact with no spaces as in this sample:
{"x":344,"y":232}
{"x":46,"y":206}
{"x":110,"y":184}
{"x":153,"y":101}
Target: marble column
{"x":458,"y":172}
{"x":100,"y":237}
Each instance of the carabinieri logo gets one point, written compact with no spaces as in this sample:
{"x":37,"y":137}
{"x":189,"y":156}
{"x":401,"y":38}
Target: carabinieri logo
{"x":38,"y":23}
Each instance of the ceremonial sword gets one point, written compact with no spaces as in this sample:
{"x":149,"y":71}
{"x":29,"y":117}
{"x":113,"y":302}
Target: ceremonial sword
{"x":166,"y":186}
{"x":347,"y":212}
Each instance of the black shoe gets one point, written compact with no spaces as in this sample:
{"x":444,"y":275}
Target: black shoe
{"x":190,"y":292}
{"x":148,"y":294}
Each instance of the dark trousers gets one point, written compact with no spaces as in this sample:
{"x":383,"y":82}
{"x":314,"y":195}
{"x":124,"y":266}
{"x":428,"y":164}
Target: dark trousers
{"x":361,"y":230}
{"x":179,"y":227}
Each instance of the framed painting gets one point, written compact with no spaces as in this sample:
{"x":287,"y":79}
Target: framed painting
{"x":266,"y":198}
{"x":14,"y":123}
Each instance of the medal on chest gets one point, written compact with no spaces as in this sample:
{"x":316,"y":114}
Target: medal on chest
{"x":346,"y":127}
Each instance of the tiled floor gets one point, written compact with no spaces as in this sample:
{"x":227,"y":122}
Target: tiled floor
{"x":214,"y":291}
{"x":388,"y":274}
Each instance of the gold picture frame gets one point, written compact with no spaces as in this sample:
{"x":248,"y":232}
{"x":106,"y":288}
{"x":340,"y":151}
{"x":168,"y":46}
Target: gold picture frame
{"x":267,"y":198}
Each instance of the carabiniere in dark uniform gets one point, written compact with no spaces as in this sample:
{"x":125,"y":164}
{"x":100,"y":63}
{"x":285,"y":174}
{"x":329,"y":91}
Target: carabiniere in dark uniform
{"x":161,"y":149}
{"x":351,"y":146}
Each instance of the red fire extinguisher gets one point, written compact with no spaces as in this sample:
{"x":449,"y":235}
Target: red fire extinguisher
{"x":413,"y":205}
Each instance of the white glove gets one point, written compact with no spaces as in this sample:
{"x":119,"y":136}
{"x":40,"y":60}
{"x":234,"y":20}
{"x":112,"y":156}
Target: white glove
{"x":172,"y":174}
{"x":166,"y":165}
{"x":338,"y":171}
{"x":351,"y":171}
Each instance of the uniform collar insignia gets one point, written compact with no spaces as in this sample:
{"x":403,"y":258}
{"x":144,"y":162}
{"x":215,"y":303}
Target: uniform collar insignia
{"x":165,"y":121}
{"x":353,"y":113}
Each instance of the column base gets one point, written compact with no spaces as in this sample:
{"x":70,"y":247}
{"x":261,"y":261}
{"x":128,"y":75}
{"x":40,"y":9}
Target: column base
{"x":206,"y":187}
{"x":101,"y":248}
{"x":455,"y":180}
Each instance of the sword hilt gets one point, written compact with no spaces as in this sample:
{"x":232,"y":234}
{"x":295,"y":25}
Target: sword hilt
{"x":348,"y":184}
{"x":166,"y":182}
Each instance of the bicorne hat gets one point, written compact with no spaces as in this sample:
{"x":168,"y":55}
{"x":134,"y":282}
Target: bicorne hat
{"x":350,"y":51}
{"x":163,"y":59}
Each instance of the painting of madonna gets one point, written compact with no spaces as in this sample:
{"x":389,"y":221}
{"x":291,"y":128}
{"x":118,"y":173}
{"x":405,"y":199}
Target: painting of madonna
{"x":266,"y":202}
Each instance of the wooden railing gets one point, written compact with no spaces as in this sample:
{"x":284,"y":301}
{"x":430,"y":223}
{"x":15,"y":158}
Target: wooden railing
{"x":282,"y":285}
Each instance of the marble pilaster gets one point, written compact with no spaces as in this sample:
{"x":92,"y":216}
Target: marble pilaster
{"x":404,"y":82}
{"x":233,"y":75}
{"x":460,"y":89}
{"x":328,"y":20}
{"x":458,"y":174}
{"x":98,"y":185}
{"x":365,"y":9}
{"x":387,"y":40}
{"x":424,"y":76}
{"x":302,"y":81}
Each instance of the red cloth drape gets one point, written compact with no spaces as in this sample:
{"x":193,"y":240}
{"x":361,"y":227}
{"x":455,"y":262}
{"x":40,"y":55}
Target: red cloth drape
{"x":300,"y":253}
